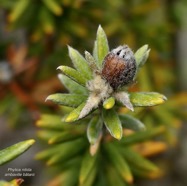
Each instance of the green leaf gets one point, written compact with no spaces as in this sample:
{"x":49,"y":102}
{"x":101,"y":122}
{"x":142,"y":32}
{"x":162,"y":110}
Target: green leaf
{"x":101,"y":47}
{"x":138,"y":161}
{"x":70,"y":100}
{"x":74,"y":115}
{"x":91,"y":61}
{"x":67,"y":177}
{"x":54,"y":7}
{"x":14,"y":151}
{"x":64,"y":136}
{"x":94,"y":130}
{"x":142,"y":136}
{"x":112,"y":123}
{"x":118,"y":162}
{"x":68,"y":150}
{"x":141,"y":55}
{"x":71,"y":85}
{"x":88,"y":163}
{"x":73,"y":74}
{"x":144,"y":99}
{"x":80,"y":63}
{"x":18,"y":10}
{"x":54,"y":122}
{"x":113,"y":177}
{"x":47,"y":134}
{"x":109,"y":103}
{"x":132,"y":123}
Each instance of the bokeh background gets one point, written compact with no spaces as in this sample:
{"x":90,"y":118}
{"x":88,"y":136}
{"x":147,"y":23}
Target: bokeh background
{"x":34,"y":35}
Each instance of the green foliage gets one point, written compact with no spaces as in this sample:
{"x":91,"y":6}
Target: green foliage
{"x":68,"y":141}
{"x":14,"y":151}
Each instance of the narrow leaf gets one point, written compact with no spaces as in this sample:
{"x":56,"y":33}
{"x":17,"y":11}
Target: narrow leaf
{"x":18,"y":10}
{"x":138,"y":161}
{"x":70,"y":100}
{"x":88,"y":163}
{"x":113,"y":177}
{"x":64,"y":136}
{"x":142,"y":136}
{"x":109,"y":103}
{"x":94,"y":130}
{"x":132,"y":123}
{"x":80,"y":63}
{"x":54,"y":7}
{"x":119,"y":162}
{"x":14,"y":151}
{"x":143,"y":99}
{"x":101,"y":47}
{"x":141,"y":55}
{"x":50,"y":121}
{"x":68,"y":150}
{"x":112,"y":123}
{"x":74,"y":115}
{"x":71,"y":85}
{"x":73,"y":74}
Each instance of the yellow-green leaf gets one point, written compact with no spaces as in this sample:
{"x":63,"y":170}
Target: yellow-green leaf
{"x":14,"y":151}
{"x":74,"y":115}
{"x":112,"y":123}
{"x":53,"y":6}
{"x":18,"y":9}
{"x":109,"y":103}
{"x":143,"y":99}
{"x":50,"y":121}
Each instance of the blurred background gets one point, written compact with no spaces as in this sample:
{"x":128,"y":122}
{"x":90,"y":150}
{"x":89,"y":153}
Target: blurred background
{"x":34,"y":35}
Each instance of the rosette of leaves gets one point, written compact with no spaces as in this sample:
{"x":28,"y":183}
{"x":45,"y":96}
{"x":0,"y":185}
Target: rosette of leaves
{"x":83,"y":142}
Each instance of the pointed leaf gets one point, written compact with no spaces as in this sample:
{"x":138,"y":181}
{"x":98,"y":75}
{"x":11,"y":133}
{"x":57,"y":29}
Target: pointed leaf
{"x":113,"y":177}
{"x":68,"y":150}
{"x":142,"y":136}
{"x":88,"y":163}
{"x":132,"y":123}
{"x":18,"y":10}
{"x":119,"y":162}
{"x":71,"y":85}
{"x":109,"y":103}
{"x":101,"y":47}
{"x":63,"y":136}
{"x":143,"y":99}
{"x":14,"y":151}
{"x":80,"y":63}
{"x":94,"y":130}
{"x":73,"y":74}
{"x":91,"y":61}
{"x":112,"y":123}
{"x":141,"y":55}
{"x":138,"y":161}
{"x":50,"y":121}
{"x":54,"y":7}
{"x":70,"y":100}
{"x":74,"y":115}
